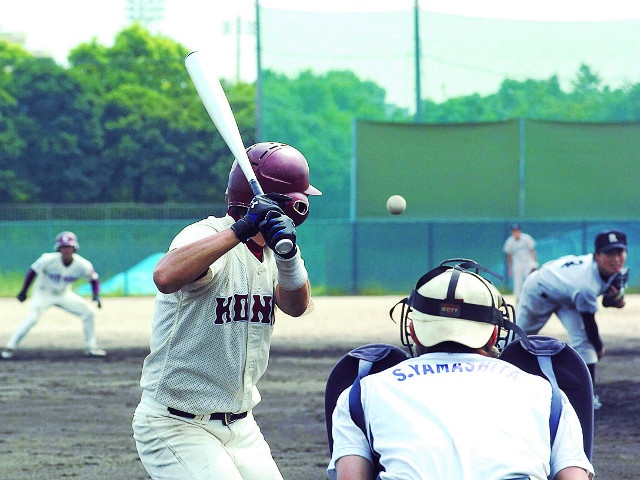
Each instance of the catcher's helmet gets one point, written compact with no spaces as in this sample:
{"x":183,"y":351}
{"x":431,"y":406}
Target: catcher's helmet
{"x":455,"y":304}
{"x":279,"y":168}
{"x":66,"y":239}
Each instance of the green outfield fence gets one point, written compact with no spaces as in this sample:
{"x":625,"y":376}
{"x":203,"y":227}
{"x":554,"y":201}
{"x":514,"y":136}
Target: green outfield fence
{"x":517,"y":168}
{"x":375,"y":256}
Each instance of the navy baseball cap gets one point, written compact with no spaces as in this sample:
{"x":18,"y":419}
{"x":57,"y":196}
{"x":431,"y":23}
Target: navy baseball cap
{"x":610,"y":239}
{"x":515,"y":226}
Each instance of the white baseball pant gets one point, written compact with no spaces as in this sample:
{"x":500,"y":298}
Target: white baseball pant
{"x":69,"y":301}
{"x":534,"y":310}
{"x":176,"y":448}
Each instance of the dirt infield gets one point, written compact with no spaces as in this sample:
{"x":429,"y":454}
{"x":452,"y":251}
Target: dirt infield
{"x":65,"y":416}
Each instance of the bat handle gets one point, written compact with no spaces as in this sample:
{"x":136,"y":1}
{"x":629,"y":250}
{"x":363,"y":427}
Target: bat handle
{"x":284,"y":246}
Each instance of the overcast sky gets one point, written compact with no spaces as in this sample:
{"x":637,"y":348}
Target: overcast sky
{"x":59,"y":26}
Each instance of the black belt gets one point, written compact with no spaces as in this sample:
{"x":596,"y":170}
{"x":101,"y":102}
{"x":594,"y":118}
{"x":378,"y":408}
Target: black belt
{"x":226,"y":418}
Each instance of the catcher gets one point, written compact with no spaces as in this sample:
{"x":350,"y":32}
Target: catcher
{"x":570,"y":287}
{"x":455,"y":410}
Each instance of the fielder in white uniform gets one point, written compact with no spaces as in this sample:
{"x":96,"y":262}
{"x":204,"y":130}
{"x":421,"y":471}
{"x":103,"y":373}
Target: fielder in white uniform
{"x":218,"y":293}
{"x":455,"y":411}
{"x":54,"y":273}
{"x":522,"y":258}
{"x":570,"y":287}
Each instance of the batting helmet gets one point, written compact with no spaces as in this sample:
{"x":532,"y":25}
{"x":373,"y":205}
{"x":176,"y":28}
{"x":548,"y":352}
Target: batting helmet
{"x":66,"y":239}
{"x":279,"y":168}
{"x":455,"y":304}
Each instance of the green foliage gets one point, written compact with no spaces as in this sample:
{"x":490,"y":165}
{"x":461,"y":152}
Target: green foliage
{"x":125,"y":124}
{"x":314,"y":113}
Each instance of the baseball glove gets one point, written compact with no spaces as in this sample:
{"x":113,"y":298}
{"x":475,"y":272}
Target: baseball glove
{"x":620,"y":283}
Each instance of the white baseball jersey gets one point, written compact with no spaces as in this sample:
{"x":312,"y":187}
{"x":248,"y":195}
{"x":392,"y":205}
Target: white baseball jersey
{"x":570,"y":281}
{"x":520,"y":249}
{"x":210,"y":340}
{"x":458,"y":416}
{"x":56,"y":278}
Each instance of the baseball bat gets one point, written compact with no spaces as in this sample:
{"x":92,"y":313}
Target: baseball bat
{"x":205,"y":79}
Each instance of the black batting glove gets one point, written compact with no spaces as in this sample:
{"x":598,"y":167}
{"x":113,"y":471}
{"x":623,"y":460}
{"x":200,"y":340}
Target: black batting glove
{"x":22,"y":296}
{"x":249,"y":225}
{"x":275,"y":227}
{"x":96,"y":299}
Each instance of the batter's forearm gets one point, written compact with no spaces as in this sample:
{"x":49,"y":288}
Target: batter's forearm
{"x":183,"y":265}
{"x":294,"y":302}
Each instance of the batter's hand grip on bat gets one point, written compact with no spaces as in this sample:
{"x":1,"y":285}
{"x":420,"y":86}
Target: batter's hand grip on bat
{"x":204,"y":77}
{"x":284,"y":246}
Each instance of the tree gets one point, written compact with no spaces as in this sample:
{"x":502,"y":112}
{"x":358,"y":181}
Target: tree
{"x":160,"y":145}
{"x":60,"y":130}
{"x":314,"y":113}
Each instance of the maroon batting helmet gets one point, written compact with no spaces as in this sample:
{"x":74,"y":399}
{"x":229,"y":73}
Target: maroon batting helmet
{"x":66,"y":239}
{"x":279,"y":168}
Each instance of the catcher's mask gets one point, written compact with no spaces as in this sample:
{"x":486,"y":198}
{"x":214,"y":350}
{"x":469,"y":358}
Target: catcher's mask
{"x":66,"y":239}
{"x":455,"y":303}
{"x":279,"y":168}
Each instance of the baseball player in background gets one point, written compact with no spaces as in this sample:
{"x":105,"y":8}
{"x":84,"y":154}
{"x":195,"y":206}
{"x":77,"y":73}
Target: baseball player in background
{"x":455,"y":411}
{"x":522,"y":258}
{"x":570,"y":287}
{"x":54,"y":273}
{"x":214,"y":314}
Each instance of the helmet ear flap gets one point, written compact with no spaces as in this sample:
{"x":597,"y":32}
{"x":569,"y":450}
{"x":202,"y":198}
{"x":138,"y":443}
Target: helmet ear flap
{"x":494,"y":337}
{"x":414,"y":337}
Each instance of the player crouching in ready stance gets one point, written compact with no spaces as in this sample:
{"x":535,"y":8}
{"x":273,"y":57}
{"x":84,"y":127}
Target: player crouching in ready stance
{"x":54,"y":274}
{"x":214,"y":314}
{"x":455,"y":410}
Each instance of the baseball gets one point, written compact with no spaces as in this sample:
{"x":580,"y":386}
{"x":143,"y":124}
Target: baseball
{"x":396,"y":204}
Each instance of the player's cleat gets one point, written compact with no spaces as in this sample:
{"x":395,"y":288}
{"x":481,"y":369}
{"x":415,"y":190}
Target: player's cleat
{"x":596,"y":402}
{"x":94,"y":353}
{"x":7,"y":353}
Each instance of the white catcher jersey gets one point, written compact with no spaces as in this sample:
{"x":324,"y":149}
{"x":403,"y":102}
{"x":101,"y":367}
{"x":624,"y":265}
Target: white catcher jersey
{"x":458,"y":416}
{"x":572,"y":281}
{"x":520,"y":250}
{"x":210,"y":340}
{"x":56,"y":278}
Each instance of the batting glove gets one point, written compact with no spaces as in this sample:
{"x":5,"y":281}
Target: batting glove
{"x":249,"y":226}
{"x":22,"y":296}
{"x":276,"y":227}
{"x":96,"y":299}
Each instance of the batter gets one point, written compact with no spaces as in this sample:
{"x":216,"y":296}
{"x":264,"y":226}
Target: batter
{"x":219,"y":288}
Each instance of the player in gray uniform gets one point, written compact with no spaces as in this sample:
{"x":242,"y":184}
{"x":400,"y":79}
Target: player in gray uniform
{"x":570,"y":287}
{"x":522,"y":259}
{"x":54,"y":273}
{"x":219,"y":288}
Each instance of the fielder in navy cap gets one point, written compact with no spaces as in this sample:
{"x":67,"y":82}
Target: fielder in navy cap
{"x":570,"y":286}
{"x":609,"y":240}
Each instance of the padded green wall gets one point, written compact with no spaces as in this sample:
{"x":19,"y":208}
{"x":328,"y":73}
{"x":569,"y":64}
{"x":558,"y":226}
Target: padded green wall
{"x":512,"y":169}
{"x":443,"y":171}
{"x":578,"y":170}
